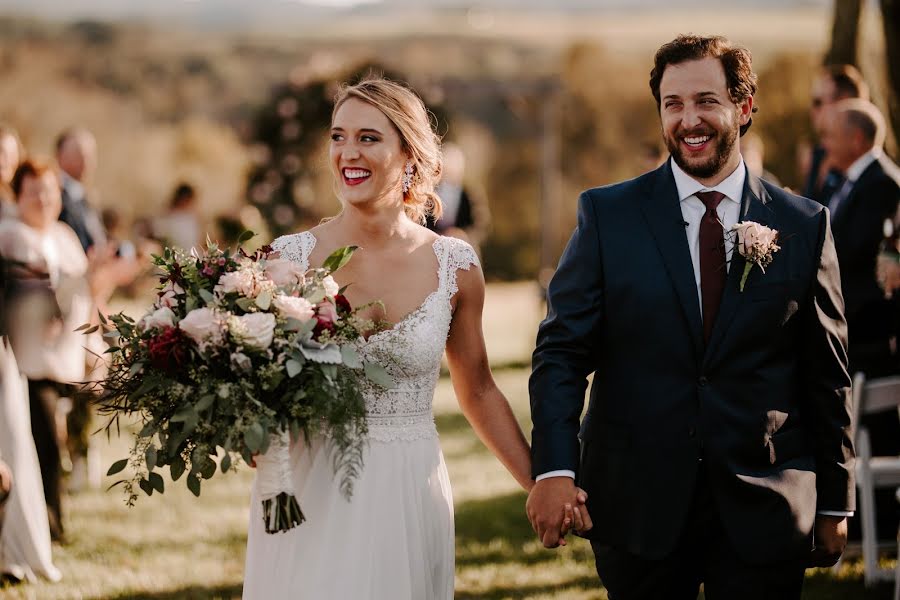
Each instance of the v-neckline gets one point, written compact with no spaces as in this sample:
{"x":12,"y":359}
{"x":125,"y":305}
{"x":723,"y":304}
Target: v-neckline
{"x":397,"y":324}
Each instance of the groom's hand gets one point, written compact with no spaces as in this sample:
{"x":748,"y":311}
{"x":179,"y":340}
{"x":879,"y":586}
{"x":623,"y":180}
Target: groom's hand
{"x":545,"y":508}
{"x":830,"y":540}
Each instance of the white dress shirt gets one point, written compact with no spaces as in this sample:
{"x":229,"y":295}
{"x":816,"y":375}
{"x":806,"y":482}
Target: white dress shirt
{"x":692,"y":210}
{"x":853,"y":173}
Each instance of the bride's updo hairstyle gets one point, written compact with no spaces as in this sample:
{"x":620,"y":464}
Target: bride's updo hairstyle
{"x":412,"y":120}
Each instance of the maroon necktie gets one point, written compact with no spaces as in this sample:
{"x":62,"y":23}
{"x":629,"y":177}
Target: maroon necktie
{"x":712,"y":260}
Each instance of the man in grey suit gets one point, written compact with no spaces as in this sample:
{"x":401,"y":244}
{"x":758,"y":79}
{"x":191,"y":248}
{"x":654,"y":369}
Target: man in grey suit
{"x":717,"y":445}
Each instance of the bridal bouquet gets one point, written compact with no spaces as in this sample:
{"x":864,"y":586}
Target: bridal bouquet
{"x":243,"y":353}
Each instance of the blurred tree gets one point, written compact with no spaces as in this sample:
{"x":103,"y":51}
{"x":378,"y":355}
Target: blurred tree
{"x":844,"y":33}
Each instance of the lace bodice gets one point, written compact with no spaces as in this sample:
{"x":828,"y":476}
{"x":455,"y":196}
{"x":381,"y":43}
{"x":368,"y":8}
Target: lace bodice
{"x":411,"y":350}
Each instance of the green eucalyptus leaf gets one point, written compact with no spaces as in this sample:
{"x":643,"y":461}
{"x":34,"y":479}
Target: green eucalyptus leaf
{"x":226,"y":463}
{"x":156,"y":481}
{"x":293,"y":367}
{"x":145,"y":485}
{"x":150,"y":457}
{"x":176,"y":469}
{"x":339,"y":258}
{"x":253,"y":437}
{"x":245,"y":303}
{"x":351,"y":357}
{"x":245,"y":236}
{"x":264,"y":300}
{"x":204,"y":402}
{"x":378,"y":375}
{"x":207,"y":296}
{"x":208,"y":469}
{"x":117,"y":467}
{"x":193,"y":483}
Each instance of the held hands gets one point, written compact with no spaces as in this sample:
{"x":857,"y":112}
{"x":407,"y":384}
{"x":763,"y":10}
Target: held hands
{"x":830,"y":540}
{"x":554,"y":507}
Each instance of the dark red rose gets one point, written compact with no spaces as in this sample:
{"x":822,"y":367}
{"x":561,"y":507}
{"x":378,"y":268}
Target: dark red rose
{"x":342,"y":304}
{"x":323,"y":324}
{"x":168,"y":350}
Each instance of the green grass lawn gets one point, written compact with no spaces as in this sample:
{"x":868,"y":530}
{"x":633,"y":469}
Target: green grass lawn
{"x":176,"y":546}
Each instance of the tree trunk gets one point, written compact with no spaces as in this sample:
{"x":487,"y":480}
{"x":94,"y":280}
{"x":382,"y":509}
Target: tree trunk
{"x":844,"y":32}
{"x":890,"y":15}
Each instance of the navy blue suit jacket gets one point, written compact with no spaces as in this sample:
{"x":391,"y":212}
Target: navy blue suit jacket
{"x":765,"y":403}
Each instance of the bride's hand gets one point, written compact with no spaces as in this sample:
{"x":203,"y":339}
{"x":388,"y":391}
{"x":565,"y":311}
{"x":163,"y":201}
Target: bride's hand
{"x":576,"y":518}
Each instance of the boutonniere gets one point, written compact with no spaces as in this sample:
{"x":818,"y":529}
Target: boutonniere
{"x":757,"y":244}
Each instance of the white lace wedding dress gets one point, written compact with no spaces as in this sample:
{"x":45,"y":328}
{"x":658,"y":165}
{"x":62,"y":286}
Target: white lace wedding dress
{"x":394,"y":539}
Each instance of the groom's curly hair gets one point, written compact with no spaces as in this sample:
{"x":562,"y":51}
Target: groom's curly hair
{"x":736,"y":60}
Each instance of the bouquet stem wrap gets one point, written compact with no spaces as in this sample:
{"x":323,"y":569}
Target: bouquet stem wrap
{"x":281,"y":512}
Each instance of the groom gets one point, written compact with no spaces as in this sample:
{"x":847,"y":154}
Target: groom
{"x":716,"y":447}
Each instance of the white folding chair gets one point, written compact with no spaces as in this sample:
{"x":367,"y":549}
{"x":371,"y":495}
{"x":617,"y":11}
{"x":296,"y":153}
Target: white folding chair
{"x":873,"y":472}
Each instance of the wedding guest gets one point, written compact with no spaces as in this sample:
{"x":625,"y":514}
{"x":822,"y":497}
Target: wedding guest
{"x":180,"y":226}
{"x":76,"y":154}
{"x":50,"y":297}
{"x":832,"y":84}
{"x":10,"y":155}
{"x":853,"y":135}
{"x":466,"y":214}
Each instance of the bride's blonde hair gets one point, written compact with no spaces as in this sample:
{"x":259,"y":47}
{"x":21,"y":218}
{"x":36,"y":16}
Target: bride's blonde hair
{"x":406,"y":111}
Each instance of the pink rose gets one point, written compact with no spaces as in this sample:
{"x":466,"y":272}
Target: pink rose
{"x":203,"y":325}
{"x":283,"y":272}
{"x":256,"y":330}
{"x":294,"y":308}
{"x":755,"y":239}
{"x":160,"y":318}
{"x":242,"y":281}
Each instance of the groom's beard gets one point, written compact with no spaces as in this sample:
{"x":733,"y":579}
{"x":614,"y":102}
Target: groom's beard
{"x":723,"y":142}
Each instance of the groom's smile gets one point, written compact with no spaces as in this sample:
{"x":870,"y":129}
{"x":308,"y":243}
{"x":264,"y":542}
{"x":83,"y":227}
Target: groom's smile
{"x":700,"y":122}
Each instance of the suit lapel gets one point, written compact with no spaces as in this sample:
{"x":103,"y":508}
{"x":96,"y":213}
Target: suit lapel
{"x":662,"y":211}
{"x":753,"y":208}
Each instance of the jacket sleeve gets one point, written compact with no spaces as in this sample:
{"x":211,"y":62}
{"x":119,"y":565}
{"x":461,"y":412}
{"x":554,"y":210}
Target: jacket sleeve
{"x":565,"y":350}
{"x":826,"y":381}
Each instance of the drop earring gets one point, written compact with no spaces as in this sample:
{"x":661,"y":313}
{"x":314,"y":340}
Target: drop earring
{"x":407,"y":177}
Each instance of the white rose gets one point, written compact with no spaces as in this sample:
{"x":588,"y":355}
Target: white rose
{"x":255,"y":330}
{"x":283,"y":272}
{"x":242,"y":281}
{"x":294,"y":308}
{"x":331,"y":287}
{"x":159,"y":319}
{"x":202,"y":325}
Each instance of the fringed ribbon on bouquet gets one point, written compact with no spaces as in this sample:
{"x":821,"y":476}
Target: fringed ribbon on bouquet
{"x":281,"y":512}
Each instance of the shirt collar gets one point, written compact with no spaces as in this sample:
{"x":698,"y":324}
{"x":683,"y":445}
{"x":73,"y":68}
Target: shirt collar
{"x":732,"y":186}
{"x":73,"y":187}
{"x":862,"y":163}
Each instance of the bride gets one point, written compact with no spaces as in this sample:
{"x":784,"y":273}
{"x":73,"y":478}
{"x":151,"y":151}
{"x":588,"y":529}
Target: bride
{"x":394,"y":539}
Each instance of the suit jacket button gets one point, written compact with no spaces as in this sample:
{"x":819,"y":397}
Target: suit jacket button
{"x":692,"y":432}
{"x":703,"y":381}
